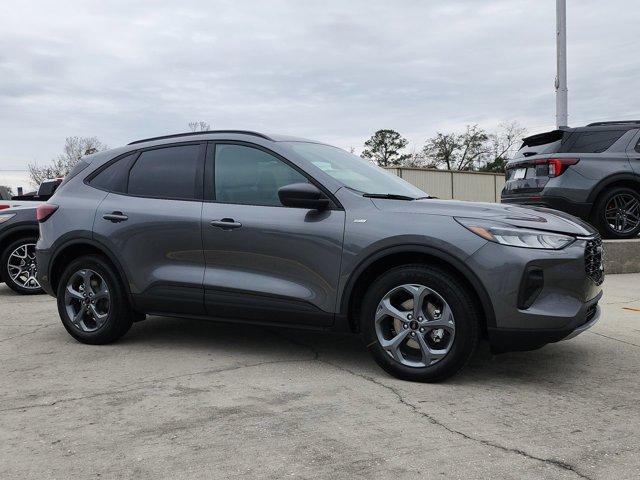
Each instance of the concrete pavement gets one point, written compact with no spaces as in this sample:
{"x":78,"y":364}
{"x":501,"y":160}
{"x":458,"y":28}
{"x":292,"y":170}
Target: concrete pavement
{"x":186,"y":399}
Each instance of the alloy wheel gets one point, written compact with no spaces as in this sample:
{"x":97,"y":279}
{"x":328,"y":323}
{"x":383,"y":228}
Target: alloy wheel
{"x":87,"y":300}
{"x":415,"y":325}
{"x":22,"y":266}
{"x":622,"y":213}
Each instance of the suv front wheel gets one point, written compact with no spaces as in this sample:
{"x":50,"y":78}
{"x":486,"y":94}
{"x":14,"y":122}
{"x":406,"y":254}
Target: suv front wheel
{"x":92,"y":303}
{"x":617,"y":213}
{"x":419,"y":323}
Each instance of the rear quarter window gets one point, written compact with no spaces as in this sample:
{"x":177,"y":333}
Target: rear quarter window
{"x":595,"y":141}
{"x":113,"y":178}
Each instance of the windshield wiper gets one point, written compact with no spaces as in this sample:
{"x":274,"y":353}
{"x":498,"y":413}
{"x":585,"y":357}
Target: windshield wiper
{"x":390,"y":196}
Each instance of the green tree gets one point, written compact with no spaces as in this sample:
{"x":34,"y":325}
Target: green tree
{"x":442,"y":150}
{"x":384,"y":148}
{"x":74,"y":149}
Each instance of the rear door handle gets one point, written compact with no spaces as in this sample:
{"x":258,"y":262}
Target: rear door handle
{"x":226,"y":224}
{"x":116,"y":217}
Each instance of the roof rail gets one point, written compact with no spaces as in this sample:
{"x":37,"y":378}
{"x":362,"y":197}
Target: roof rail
{"x":186,"y":134}
{"x":617,"y":122}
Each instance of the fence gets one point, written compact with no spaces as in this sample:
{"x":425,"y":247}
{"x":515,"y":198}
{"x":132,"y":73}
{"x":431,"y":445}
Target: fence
{"x":447,"y":184}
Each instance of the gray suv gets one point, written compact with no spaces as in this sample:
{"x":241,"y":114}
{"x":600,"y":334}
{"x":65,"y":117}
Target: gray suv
{"x":283,"y":231}
{"x":592,"y":172}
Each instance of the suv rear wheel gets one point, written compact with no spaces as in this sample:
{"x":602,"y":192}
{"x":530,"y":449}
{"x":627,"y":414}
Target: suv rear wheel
{"x":419,"y":323}
{"x":617,"y":213}
{"x":92,"y":301}
{"x":18,"y":266}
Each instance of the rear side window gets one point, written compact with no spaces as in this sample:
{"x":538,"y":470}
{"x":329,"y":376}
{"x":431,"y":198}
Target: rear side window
{"x":114,"y":177}
{"x":80,"y":166}
{"x":166,"y":173}
{"x":595,"y":141}
{"x":249,"y":176}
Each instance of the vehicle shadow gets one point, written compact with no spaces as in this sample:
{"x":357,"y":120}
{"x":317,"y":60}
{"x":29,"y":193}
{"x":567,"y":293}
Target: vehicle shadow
{"x":554,"y":364}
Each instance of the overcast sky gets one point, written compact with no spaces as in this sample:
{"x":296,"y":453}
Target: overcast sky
{"x":332,"y":70}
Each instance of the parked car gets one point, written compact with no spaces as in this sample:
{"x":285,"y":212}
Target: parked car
{"x":18,"y":237}
{"x":592,"y":172}
{"x":276,"y":230}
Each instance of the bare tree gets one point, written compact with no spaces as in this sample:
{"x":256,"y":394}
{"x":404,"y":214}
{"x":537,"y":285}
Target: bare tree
{"x":507,"y":138}
{"x":74,"y":149}
{"x":416,"y":159}
{"x":474,"y":149}
{"x":199,"y":126}
{"x":463,"y":151}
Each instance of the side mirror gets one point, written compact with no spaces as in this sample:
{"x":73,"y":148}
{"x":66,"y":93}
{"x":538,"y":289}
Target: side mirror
{"x":303,"y":195}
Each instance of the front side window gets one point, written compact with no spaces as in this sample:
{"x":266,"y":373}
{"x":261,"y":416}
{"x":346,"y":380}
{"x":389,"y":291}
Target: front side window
{"x":354,"y":172}
{"x":166,"y":173}
{"x":249,"y":176}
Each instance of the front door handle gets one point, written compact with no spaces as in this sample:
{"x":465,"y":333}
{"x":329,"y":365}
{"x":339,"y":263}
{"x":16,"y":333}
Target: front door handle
{"x":116,"y":217}
{"x":226,"y":224}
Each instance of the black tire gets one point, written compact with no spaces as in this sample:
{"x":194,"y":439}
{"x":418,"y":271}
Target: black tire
{"x":600,"y":220}
{"x":462,"y":305}
{"x":120,"y":316}
{"x":4,"y":267}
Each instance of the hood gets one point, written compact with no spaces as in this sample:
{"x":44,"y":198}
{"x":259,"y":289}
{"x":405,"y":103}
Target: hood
{"x":519,"y":216}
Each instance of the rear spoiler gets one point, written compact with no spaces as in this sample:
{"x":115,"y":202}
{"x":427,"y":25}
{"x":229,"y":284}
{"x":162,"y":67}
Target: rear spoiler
{"x":543,"y":138}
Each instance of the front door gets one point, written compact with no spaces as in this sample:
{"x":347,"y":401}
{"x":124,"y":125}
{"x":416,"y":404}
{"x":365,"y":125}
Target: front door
{"x":266,"y":262}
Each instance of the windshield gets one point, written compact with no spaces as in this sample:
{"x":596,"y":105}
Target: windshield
{"x":353,"y":171}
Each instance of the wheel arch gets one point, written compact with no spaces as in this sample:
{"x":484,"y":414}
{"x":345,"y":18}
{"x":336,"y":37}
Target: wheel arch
{"x":379,"y":262}
{"x":628,"y":180}
{"x":73,"y":249}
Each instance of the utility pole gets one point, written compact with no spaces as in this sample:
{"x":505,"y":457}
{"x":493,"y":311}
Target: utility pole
{"x":561,"y":53}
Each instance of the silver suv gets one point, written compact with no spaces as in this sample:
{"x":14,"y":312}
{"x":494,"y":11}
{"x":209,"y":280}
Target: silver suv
{"x":592,"y":172}
{"x":283,"y":231}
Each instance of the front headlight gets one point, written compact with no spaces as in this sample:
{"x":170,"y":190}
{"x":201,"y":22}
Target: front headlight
{"x":506,"y":234}
{"x":6,"y":216}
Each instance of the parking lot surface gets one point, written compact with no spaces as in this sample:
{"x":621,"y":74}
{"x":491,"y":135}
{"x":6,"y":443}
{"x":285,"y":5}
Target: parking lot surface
{"x":188,"y":399}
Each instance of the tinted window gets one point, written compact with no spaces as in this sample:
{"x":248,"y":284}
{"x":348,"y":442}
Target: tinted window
{"x":114,"y":177}
{"x":250,"y":176}
{"x":165,"y":173}
{"x":595,"y":141}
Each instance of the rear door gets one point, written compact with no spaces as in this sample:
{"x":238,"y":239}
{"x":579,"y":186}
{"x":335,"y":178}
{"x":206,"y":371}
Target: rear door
{"x":266,"y":262}
{"x":151,"y":220}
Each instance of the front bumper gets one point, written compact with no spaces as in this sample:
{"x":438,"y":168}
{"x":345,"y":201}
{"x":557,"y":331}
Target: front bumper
{"x":564,"y":305}
{"x":507,"y":340}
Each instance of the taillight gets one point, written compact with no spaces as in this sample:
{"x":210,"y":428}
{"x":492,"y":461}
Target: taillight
{"x":557,"y":166}
{"x":4,"y":206}
{"x":44,"y":211}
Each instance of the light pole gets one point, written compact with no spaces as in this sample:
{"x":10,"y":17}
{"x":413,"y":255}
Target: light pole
{"x":561,"y":53}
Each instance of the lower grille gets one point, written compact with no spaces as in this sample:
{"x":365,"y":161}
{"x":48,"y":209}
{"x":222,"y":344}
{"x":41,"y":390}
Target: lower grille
{"x":593,"y":260}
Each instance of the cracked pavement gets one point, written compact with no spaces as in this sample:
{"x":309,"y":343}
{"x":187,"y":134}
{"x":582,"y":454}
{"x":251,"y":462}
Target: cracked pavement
{"x":187,"y":399}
